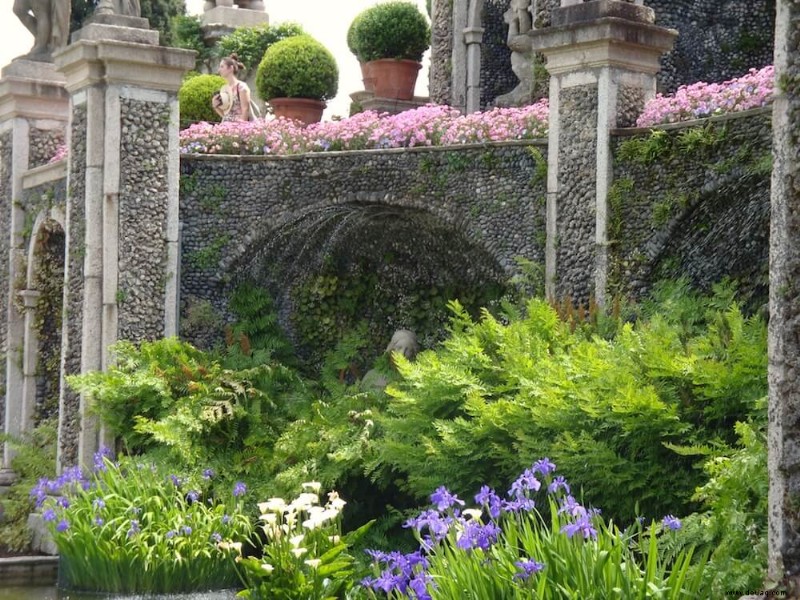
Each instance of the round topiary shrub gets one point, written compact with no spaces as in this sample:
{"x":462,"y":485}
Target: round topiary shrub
{"x":297,"y":67}
{"x":250,"y":43}
{"x":195,"y":98}
{"x":390,"y":30}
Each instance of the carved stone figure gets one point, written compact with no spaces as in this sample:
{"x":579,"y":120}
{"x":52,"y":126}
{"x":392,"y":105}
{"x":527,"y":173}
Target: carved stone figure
{"x":403,"y":341}
{"x":48,"y":22}
{"x":519,"y":19}
{"x":128,"y":8}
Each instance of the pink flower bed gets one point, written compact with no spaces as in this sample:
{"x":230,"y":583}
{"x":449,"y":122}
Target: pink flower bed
{"x":431,"y":125}
{"x":701,"y":100}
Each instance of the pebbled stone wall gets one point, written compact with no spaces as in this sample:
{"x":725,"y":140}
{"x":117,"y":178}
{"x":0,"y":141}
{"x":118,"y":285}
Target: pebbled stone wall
{"x":69,"y":415}
{"x":699,"y":209}
{"x":441,"y":68}
{"x":143,"y":201}
{"x":253,"y":215}
{"x":577,"y":168}
{"x":43,"y":145}
{"x":719,"y":40}
{"x":5,"y":229}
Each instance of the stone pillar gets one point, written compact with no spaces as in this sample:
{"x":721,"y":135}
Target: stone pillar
{"x":439,"y":75}
{"x":602,"y":57}
{"x":472,"y":38}
{"x":458,"y":61}
{"x":122,"y":204}
{"x":34,"y":108}
{"x":784,"y":308}
{"x":221,"y":19}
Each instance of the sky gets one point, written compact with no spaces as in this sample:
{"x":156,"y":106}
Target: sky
{"x":326,"y":20}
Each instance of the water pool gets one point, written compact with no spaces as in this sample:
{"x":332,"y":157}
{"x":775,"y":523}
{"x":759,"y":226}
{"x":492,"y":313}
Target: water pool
{"x":50,"y":592}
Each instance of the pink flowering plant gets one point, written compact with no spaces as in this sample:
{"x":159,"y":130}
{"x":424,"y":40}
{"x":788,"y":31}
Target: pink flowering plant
{"x":700,"y":100}
{"x":506,"y":548}
{"x":431,"y":125}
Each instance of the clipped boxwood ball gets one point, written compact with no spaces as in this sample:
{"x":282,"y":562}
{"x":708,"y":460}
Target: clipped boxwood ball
{"x":390,"y":30}
{"x":297,"y":67}
{"x":195,"y":99}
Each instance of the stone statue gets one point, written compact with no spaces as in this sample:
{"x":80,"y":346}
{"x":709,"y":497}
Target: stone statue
{"x":48,"y":22}
{"x":403,"y":341}
{"x":519,"y":18}
{"x":128,"y":8}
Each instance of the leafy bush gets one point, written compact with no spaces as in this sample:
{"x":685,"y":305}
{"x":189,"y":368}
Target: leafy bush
{"x":507,"y":549}
{"x":390,"y":30}
{"x":187,"y":32}
{"x":132,"y":527}
{"x":618,"y":414}
{"x":297,"y":67}
{"x":250,"y":43}
{"x":35,"y":458}
{"x":169,"y":394}
{"x":732,"y":527}
{"x":195,"y":99}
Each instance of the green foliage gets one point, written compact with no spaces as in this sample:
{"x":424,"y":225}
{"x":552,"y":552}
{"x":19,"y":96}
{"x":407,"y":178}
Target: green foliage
{"x":35,"y":458}
{"x":187,"y":33}
{"x":297,"y":67}
{"x":497,"y":394}
{"x":158,"y":12}
{"x":250,"y":43}
{"x":305,"y":555}
{"x":133,"y":527}
{"x":195,"y":99}
{"x":645,"y":150}
{"x":169,"y":394}
{"x":732,"y":527}
{"x":256,"y":332}
{"x":660,"y":144}
{"x":392,"y":29}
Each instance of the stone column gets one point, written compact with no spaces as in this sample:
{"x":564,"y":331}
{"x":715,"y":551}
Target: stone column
{"x":122,"y":204}
{"x":784,"y":308}
{"x":458,"y":60}
{"x":34,"y":108}
{"x":602,"y":57}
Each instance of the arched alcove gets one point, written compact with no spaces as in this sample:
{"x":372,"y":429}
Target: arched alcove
{"x":337,"y":267}
{"x":42,"y":301}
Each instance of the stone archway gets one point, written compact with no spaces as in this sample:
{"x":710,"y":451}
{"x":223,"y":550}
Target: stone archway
{"x":397,"y":267}
{"x":41,"y":302}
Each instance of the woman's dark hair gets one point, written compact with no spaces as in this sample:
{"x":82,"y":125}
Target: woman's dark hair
{"x":233,"y":61}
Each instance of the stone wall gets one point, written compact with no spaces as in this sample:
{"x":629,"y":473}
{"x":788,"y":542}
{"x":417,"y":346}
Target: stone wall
{"x":144,"y":198}
{"x":718,"y":40}
{"x":69,"y":409}
{"x":274,"y":216}
{"x":694,"y":201}
{"x":6,"y":140}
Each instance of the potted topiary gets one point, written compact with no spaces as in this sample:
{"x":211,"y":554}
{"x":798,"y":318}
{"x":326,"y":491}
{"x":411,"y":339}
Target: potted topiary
{"x":390,"y":39}
{"x":296,"y":76}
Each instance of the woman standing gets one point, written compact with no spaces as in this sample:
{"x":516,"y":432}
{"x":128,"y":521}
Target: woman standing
{"x":232,"y":102}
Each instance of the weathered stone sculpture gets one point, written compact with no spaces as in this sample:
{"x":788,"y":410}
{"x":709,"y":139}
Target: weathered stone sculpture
{"x":403,"y":341}
{"x":128,"y":8}
{"x":48,"y":22}
{"x":519,"y":17}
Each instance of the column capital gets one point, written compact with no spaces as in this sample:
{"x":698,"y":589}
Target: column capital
{"x":473,"y":35}
{"x":604,"y":42}
{"x":30,"y":298}
{"x":91,"y":62}
{"x":33,"y":90}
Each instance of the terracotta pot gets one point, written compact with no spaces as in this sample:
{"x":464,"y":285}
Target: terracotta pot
{"x":304,"y":110}
{"x":367,"y":77}
{"x":394,"y":78}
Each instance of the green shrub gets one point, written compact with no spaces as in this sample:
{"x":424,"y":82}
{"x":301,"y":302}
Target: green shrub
{"x":250,"y":43}
{"x":390,"y":30}
{"x":297,"y":67}
{"x":195,"y":99}
{"x":187,"y":32}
